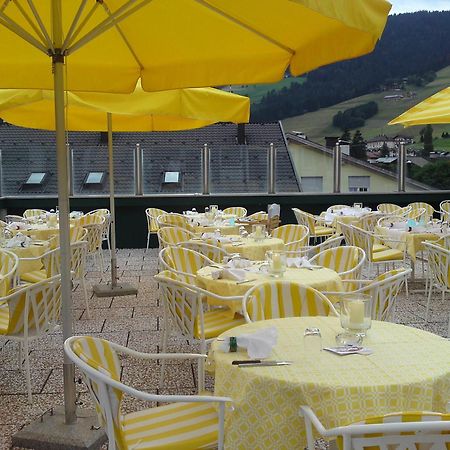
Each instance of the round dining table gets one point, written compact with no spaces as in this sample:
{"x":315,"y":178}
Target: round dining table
{"x":409,"y":370}
{"x":322,"y":279}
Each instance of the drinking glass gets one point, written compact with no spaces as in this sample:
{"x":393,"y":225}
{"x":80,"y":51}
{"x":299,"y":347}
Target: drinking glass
{"x":277,"y":262}
{"x":258,"y":232}
{"x":312,"y":340}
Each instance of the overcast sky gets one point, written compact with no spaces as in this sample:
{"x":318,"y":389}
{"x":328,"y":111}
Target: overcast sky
{"x":401,"y":6}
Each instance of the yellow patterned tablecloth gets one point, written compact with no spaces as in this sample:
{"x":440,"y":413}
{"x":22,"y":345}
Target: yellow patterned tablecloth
{"x":322,"y":279}
{"x":224,"y":229}
{"x":41,"y":232}
{"x":254,"y":250}
{"x":411,"y":239}
{"x":409,"y":370}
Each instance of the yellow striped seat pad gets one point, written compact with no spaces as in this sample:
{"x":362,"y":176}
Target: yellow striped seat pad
{"x":323,"y":231}
{"x":35,"y":276}
{"x":387,"y":255}
{"x":4,"y":317}
{"x":177,"y":426}
{"x":216,"y":322}
{"x":379,"y":248}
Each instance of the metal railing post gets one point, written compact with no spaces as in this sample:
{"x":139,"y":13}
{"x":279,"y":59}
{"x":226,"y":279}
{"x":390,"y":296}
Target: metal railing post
{"x":138,"y":169}
{"x":70,"y":169}
{"x":401,"y":167}
{"x":1,"y":173}
{"x":205,"y":169}
{"x":337,"y":164}
{"x":271,"y":169}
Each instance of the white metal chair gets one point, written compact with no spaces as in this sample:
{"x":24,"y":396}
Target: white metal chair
{"x":260,"y":216}
{"x":347,"y":261}
{"x":444,"y":208}
{"x":389,"y":208}
{"x":174,"y":220}
{"x":152,"y":215}
{"x":280,"y":299}
{"x":383,"y":291}
{"x":186,"y":422}
{"x":213,"y":252}
{"x":103,"y":212}
{"x":94,"y":224}
{"x":34,"y":213}
{"x":183,"y":262}
{"x":439,"y":266}
{"x":402,"y":430}
{"x":238,"y":211}
{"x":50,"y":266}
{"x":10,"y":218}
{"x":292,"y":233}
{"x":429,"y":210}
{"x":369,"y":221}
{"x":29,"y":312}
{"x":168,"y":236}
{"x":9,"y":262}
{"x":309,"y":251}
{"x":318,"y":229}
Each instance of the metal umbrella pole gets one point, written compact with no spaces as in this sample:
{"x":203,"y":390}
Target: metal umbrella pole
{"x":114,"y":289}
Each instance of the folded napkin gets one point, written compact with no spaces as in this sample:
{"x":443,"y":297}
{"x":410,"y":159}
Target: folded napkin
{"x":229,"y":274}
{"x":238,"y":263}
{"x":75,"y":214}
{"x":258,"y":344}
{"x":18,"y":226}
{"x":19,"y":240}
{"x":212,"y":235}
{"x":299,"y":262}
{"x":225,"y":239}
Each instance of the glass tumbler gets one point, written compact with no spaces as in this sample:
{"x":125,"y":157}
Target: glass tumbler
{"x":312,"y":340}
{"x":277,"y":262}
{"x":356,"y":313}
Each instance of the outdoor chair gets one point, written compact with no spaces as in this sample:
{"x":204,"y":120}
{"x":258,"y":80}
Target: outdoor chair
{"x":29,"y":312}
{"x":10,"y":218}
{"x":184,"y":422}
{"x":347,"y":261}
{"x":9,"y":263}
{"x":402,"y":430}
{"x":444,"y":208}
{"x":318,"y":229}
{"x":174,"y":220}
{"x":334,"y":208}
{"x":168,"y":236}
{"x":34,"y":213}
{"x":260,"y":216}
{"x":238,"y":211}
{"x":213,"y":252}
{"x":383,"y":291}
{"x":292,"y":233}
{"x":417,"y":214}
{"x":369,"y":221}
{"x":280,"y":299}
{"x":152,"y":215}
{"x":103,"y":212}
{"x":388,"y":208}
{"x":429,"y":210}
{"x":94,"y":225}
{"x":308,"y":251}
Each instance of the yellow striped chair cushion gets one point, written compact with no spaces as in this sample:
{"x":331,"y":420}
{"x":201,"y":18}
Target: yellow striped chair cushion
{"x":320,"y":230}
{"x":173,"y":235}
{"x":177,"y":426}
{"x":186,"y":260}
{"x":400,"y":417}
{"x":291,"y":233}
{"x":387,"y":255}
{"x":278,"y":299}
{"x":379,"y":248}
{"x":340,"y":259}
{"x":216,"y":322}
{"x":89,"y":219}
{"x":152,"y":215}
{"x":238,"y":211}
{"x":4,"y":317}
{"x":34,"y":277}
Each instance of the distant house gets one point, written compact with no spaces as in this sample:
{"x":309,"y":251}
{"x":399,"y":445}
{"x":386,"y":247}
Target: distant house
{"x":403,"y":138}
{"x":376,"y":143}
{"x":314,"y":167}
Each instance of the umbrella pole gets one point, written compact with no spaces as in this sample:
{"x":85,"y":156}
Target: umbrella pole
{"x":114,"y":289}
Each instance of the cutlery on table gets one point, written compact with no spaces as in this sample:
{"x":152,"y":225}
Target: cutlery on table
{"x":260,"y":363}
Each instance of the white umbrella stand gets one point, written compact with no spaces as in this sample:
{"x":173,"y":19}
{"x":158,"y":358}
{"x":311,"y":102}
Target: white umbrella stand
{"x":114,"y":289}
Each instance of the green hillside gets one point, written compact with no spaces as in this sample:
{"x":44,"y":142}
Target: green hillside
{"x":318,"y":124}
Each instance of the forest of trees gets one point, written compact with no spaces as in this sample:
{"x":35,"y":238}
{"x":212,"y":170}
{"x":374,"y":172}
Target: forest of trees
{"x":401,"y":52}
{"x":355,"y":117}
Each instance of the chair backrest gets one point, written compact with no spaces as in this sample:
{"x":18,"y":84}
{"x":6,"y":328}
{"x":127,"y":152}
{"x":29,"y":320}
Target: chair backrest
{"x":384,"y":290}
{"x":369,"y":221}
{"x":94,"y":235}
{"x":152,"y":215}
{"x":34,"y":212}
{"x":363,"y":239}
{"x":306,"y":219}
{"x":337,"y":207}
{"x":10,"y":218}
{"x":183,"y":261}
{"x":439,"y":264}
{"x":91,"y":219}
{"x":214,"y":253}
{"x":173,"y":236}
{"x":388,"y":221}
{"x":98,"y":362}
{"x":333,"y":241}
{"x":429,"y":210}
{"x":34,"y":308}
{"x":174,"y":220}
{"x":418,"y":214}
{"x":78,"y":259}
{"x":238,"y":211}
{"x":279,"y":299}
{"x":347,"y":231}
{"x":8,"y":271}
{"x":388,"y":208}
{"x":103,"y":212}
{"x":347,"y":261}
{"x":401,"y":430}
{"x":260,"y":215}
{"x":444,"y":208}
{"x":292,"y":233}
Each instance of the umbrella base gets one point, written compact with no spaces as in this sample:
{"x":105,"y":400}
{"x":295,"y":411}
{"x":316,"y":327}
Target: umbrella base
{"x":120,"y":289}
{"x":49,"y":432}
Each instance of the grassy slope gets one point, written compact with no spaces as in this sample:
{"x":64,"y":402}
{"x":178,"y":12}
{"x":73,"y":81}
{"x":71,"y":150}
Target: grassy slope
{"x":318,"y":124}
{"x":257,"y":91}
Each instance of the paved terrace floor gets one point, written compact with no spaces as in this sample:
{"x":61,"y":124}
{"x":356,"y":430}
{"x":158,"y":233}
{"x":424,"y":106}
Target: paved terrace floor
{"x":134,"y":322}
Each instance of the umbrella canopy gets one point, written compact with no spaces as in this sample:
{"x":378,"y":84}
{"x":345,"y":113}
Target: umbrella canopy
{"x":180,"y":43}
{"x":434,"y":109}
{"x":178,"y":109}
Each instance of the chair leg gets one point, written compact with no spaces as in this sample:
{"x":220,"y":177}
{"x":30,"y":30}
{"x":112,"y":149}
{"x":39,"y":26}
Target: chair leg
{"x":27,"y":371}
{"x":20,"y":358}
{"x":428,"y":302}
{"x":86,"y":299}
{"x":165,"y":337}
{"x":148,"y":240}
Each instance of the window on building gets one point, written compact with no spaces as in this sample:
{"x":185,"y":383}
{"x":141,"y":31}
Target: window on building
{"x":94,"y":178}
{"x":358,"y":183}
{"x":36,"y":178}
{"x":171,"y":177}
{"x":312,"y":184}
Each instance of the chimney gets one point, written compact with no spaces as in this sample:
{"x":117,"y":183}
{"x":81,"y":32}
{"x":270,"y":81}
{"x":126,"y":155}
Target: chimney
{"x":241,"y":134}
{"x":330,"y":141}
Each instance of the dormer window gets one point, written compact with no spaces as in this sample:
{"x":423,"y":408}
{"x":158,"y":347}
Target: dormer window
{"x":94,"y":178}
{"x":171,"y":177}
{"x":36,"y":179}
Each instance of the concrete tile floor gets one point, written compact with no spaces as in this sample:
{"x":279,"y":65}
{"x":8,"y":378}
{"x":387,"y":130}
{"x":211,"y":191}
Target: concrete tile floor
{"x":134,"y":322}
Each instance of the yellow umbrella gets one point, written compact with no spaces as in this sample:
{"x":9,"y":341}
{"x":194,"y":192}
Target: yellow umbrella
{"x":434,"y":109}
{"x":178,"y":109}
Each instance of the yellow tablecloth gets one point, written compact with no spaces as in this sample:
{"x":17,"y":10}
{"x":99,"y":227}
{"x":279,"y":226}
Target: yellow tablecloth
{"x":254,"y":250}
{"x":413,"y":241}
{"x":32,"y":251}
{"x":409,"y":370}
{"x":321,"y":279}
{"x":42,"y":232}
{"x":225,"y":229}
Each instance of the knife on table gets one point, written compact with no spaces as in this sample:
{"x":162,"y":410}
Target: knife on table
{"x":258,"y":362}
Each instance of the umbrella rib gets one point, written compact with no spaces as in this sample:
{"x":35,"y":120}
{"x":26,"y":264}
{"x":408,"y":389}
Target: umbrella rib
{"x":7,"y":22}
{"x":245,"y":26}
{"x":122,"y":35}
{"x":41,"y":24}
{"x":5,"y":4}
{"x":120,"y":14}
{"x":72,"y":33}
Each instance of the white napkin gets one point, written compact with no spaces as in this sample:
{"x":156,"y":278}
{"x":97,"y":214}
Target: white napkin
{"x":18,"y":226}
{"x":298,"y":262}
{"x":273,"y":210}
{"x":212,"y":235}
{"x":19,"y":240}
{"x":75,"y":214}
{"x":229,"y":274}
{"x":238,"y":263}
{"x":258,"y":344}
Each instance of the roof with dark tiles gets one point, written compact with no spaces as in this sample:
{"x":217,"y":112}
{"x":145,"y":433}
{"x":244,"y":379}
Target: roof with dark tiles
{"x":234,"y":167}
